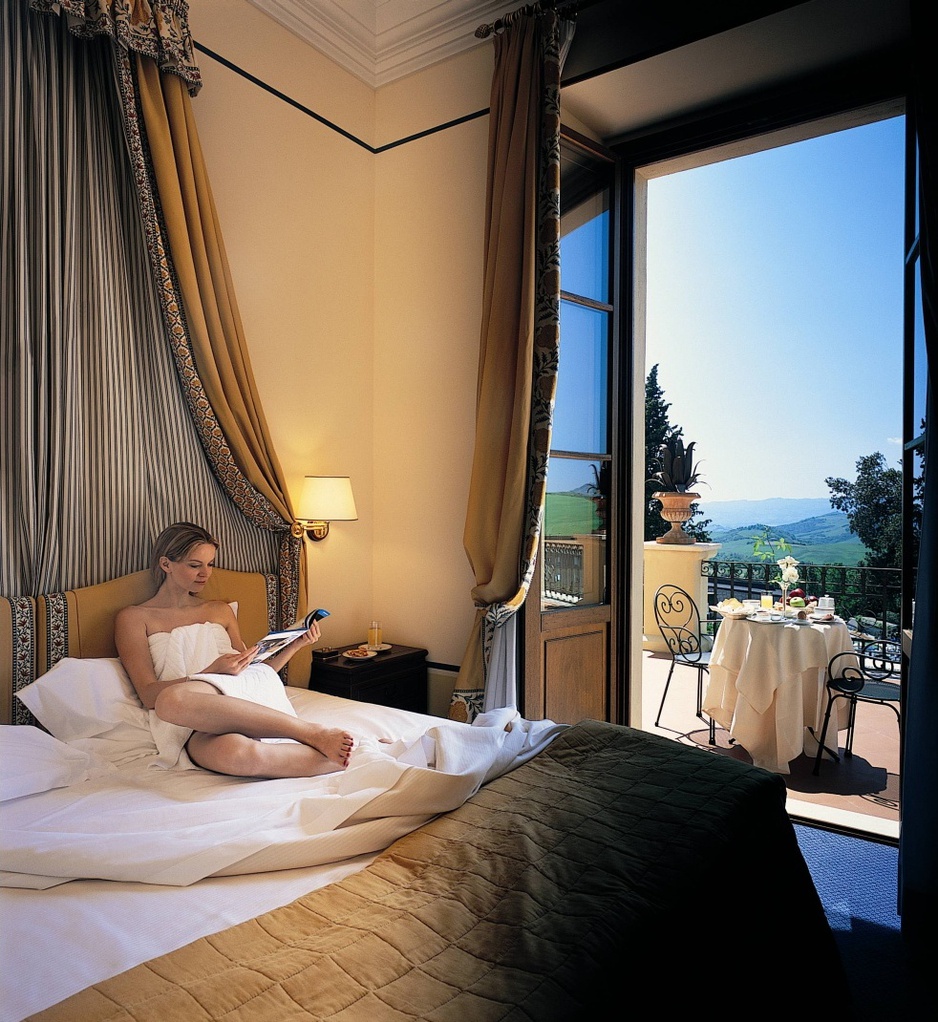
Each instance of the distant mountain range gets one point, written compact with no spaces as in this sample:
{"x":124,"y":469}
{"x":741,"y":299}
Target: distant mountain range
{"x":734,"y":514}
{"x":824,"y":529}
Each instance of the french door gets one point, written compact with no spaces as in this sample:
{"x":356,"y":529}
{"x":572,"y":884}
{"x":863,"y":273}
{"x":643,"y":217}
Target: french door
{"x":571,"y":643}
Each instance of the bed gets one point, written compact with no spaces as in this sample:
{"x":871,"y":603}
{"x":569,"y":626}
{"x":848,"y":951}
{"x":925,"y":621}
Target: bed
{"x":531,"y":873}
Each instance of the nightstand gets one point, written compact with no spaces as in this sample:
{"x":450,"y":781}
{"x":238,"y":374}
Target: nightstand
{"x":396,"y":677}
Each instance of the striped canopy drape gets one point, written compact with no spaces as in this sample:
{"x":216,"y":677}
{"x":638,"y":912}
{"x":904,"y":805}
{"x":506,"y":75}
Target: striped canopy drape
{"x":108,"y":432}
{"x":519,"y":350}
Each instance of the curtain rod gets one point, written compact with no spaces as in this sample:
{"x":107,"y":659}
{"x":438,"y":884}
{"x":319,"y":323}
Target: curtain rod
{"x":565,"y":10}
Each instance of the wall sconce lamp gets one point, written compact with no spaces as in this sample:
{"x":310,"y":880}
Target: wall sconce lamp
{"x":324,"y":499}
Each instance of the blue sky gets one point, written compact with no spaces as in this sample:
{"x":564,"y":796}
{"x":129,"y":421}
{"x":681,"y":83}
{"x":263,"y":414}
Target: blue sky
{"x":774,"y":310}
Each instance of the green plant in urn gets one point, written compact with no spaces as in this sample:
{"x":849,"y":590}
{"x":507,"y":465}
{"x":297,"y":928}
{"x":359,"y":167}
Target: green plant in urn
{"x":676,"y":479}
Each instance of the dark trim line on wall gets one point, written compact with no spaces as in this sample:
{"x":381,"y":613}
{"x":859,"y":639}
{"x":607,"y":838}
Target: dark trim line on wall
{"x":374,"y":150}
{"x":443,"y":667}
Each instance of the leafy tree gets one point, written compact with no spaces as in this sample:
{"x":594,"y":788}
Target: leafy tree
{"x":658,"y":430}
{"x":873,"y":506}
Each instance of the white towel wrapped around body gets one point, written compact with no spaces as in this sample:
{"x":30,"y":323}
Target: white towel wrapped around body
{"x":185,"y":652}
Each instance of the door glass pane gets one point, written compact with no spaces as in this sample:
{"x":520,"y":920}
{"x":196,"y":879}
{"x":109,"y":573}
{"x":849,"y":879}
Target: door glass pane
{"x":574,"y":561}
{"x":581,"y":406}
{"x":584,"y":228}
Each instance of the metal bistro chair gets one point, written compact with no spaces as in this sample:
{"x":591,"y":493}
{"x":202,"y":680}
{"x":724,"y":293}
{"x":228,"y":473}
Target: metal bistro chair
{"x":868,"y":676}
{"x":679,"y":623}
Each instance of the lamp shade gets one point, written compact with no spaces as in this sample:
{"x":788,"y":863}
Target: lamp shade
{"x":327,"y":499}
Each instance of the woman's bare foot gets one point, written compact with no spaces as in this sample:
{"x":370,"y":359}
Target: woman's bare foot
{"x":334,"y":743}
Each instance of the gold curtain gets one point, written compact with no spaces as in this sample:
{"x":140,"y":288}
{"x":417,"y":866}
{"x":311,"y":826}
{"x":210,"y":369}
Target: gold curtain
{"x":519,"y":340}
{"x":215,"y":331}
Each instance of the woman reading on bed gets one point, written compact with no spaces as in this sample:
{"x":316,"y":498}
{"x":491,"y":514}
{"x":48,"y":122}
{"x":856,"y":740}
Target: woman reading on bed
{"x":176,"y":634}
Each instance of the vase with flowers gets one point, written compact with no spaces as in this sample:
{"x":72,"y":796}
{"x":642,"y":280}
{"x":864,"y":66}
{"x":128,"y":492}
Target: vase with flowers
{"x":787,"y":576}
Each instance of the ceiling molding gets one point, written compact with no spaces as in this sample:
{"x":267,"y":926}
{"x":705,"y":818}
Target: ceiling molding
{"x":380,"y":41}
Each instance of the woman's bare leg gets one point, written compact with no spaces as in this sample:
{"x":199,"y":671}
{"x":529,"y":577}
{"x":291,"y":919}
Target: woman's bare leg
{"x":240,"y":756}
{"x":200,"y":706}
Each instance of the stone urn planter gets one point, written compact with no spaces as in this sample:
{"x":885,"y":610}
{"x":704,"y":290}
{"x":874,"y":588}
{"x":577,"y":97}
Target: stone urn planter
{"x":675,"y":508}
{"x":676,"y":478}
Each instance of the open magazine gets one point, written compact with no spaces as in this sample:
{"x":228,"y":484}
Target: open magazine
{"x":275,"y":641}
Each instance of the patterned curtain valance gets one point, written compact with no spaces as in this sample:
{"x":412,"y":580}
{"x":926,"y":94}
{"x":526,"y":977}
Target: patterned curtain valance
{"x":158,"y":29}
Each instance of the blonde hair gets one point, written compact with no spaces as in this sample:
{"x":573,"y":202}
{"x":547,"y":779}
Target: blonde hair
{"x":175,"y":542}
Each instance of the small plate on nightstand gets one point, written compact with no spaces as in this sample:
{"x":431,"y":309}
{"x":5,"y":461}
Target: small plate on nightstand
{"x":376,"y":649}
{"x":359,"y":654}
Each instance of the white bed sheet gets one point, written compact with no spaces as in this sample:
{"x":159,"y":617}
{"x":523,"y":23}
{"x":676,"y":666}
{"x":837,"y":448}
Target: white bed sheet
{"x":144,"y":823}
{"x":57,"y":941}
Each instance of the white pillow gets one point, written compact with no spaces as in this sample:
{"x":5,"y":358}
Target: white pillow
{"x":32,"y":761}
{"x":83,"y":698}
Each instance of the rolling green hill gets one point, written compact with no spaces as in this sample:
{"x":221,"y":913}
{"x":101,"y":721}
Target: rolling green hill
{"x":826,"y":539}
{"x":570,"y":514}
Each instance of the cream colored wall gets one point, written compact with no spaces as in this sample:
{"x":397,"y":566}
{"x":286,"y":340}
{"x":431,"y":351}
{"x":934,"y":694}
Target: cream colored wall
{"x":358,"y":276}
{"x":430,"y":203}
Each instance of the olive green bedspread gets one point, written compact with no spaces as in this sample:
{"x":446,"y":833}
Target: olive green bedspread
{"x":613,"y":867}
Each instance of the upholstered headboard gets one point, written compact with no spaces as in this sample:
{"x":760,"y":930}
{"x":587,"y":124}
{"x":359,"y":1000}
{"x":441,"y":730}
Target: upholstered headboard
{"x":36,"y":633}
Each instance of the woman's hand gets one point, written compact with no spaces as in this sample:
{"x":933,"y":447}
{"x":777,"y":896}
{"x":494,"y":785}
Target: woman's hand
{"x":307,"y":638}
{"x":231,"y":663}
{"x":279,"y":660}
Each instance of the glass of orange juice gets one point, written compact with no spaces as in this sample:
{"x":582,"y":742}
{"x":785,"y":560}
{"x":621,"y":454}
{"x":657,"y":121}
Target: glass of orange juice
{"x":767,"y":602}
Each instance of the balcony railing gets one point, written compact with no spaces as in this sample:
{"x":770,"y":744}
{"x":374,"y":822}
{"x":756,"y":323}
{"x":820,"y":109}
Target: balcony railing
{"x":563,"y":571}
{"x":574,"y":570}
{"x":867,"y":598}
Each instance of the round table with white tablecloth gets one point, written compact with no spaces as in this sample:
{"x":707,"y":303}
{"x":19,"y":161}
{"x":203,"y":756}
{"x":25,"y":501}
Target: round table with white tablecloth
{"x":767,"y":685}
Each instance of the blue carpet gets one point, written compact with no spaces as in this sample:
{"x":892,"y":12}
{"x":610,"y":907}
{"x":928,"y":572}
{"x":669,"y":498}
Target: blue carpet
{"x":857,"y":881}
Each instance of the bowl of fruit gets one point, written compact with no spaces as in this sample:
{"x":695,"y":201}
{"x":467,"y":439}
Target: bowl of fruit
{"x":800,"y":604}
